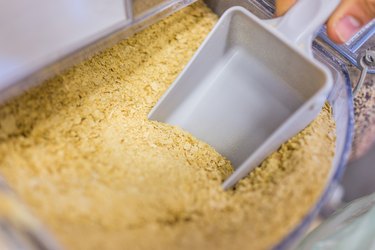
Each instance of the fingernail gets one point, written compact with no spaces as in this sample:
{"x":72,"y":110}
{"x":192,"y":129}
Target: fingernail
{"x":347,"y":27}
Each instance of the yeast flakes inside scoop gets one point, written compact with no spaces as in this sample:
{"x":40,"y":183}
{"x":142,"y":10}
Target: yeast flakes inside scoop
{"x":80,"y":151}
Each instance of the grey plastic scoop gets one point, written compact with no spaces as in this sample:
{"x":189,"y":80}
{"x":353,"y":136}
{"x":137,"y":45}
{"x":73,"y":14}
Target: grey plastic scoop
{"x":252,"y":84}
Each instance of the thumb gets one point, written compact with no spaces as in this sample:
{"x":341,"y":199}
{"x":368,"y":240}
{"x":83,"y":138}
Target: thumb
{"x":282,"y":6}
{"x":348,"y":19}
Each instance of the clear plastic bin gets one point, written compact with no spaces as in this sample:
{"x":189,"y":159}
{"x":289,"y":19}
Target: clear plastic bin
{"x":144,"y":15}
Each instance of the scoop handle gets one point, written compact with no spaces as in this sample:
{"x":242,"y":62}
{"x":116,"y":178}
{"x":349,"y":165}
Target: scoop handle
{"x":300,"y":23}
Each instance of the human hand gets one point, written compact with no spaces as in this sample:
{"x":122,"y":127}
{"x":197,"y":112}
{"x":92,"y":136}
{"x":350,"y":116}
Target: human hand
{"x":345,"y":21}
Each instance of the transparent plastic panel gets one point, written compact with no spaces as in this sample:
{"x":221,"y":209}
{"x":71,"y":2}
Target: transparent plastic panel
{"x":19,"y":229}
{"x":141,"y":7}
{"x":147,"y":13}
{"x":143,"y":16}
{"x":351,"y":227}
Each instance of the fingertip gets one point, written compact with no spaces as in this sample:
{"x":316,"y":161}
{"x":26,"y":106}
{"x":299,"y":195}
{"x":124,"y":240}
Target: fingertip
{"x":332,"y":31}
{"x":348,"y":19}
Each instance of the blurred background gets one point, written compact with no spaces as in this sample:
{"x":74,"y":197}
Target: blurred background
{"x":359,"y":176}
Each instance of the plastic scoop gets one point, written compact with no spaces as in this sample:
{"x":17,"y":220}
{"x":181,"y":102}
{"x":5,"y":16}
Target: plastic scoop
{"x":252,"y":84}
